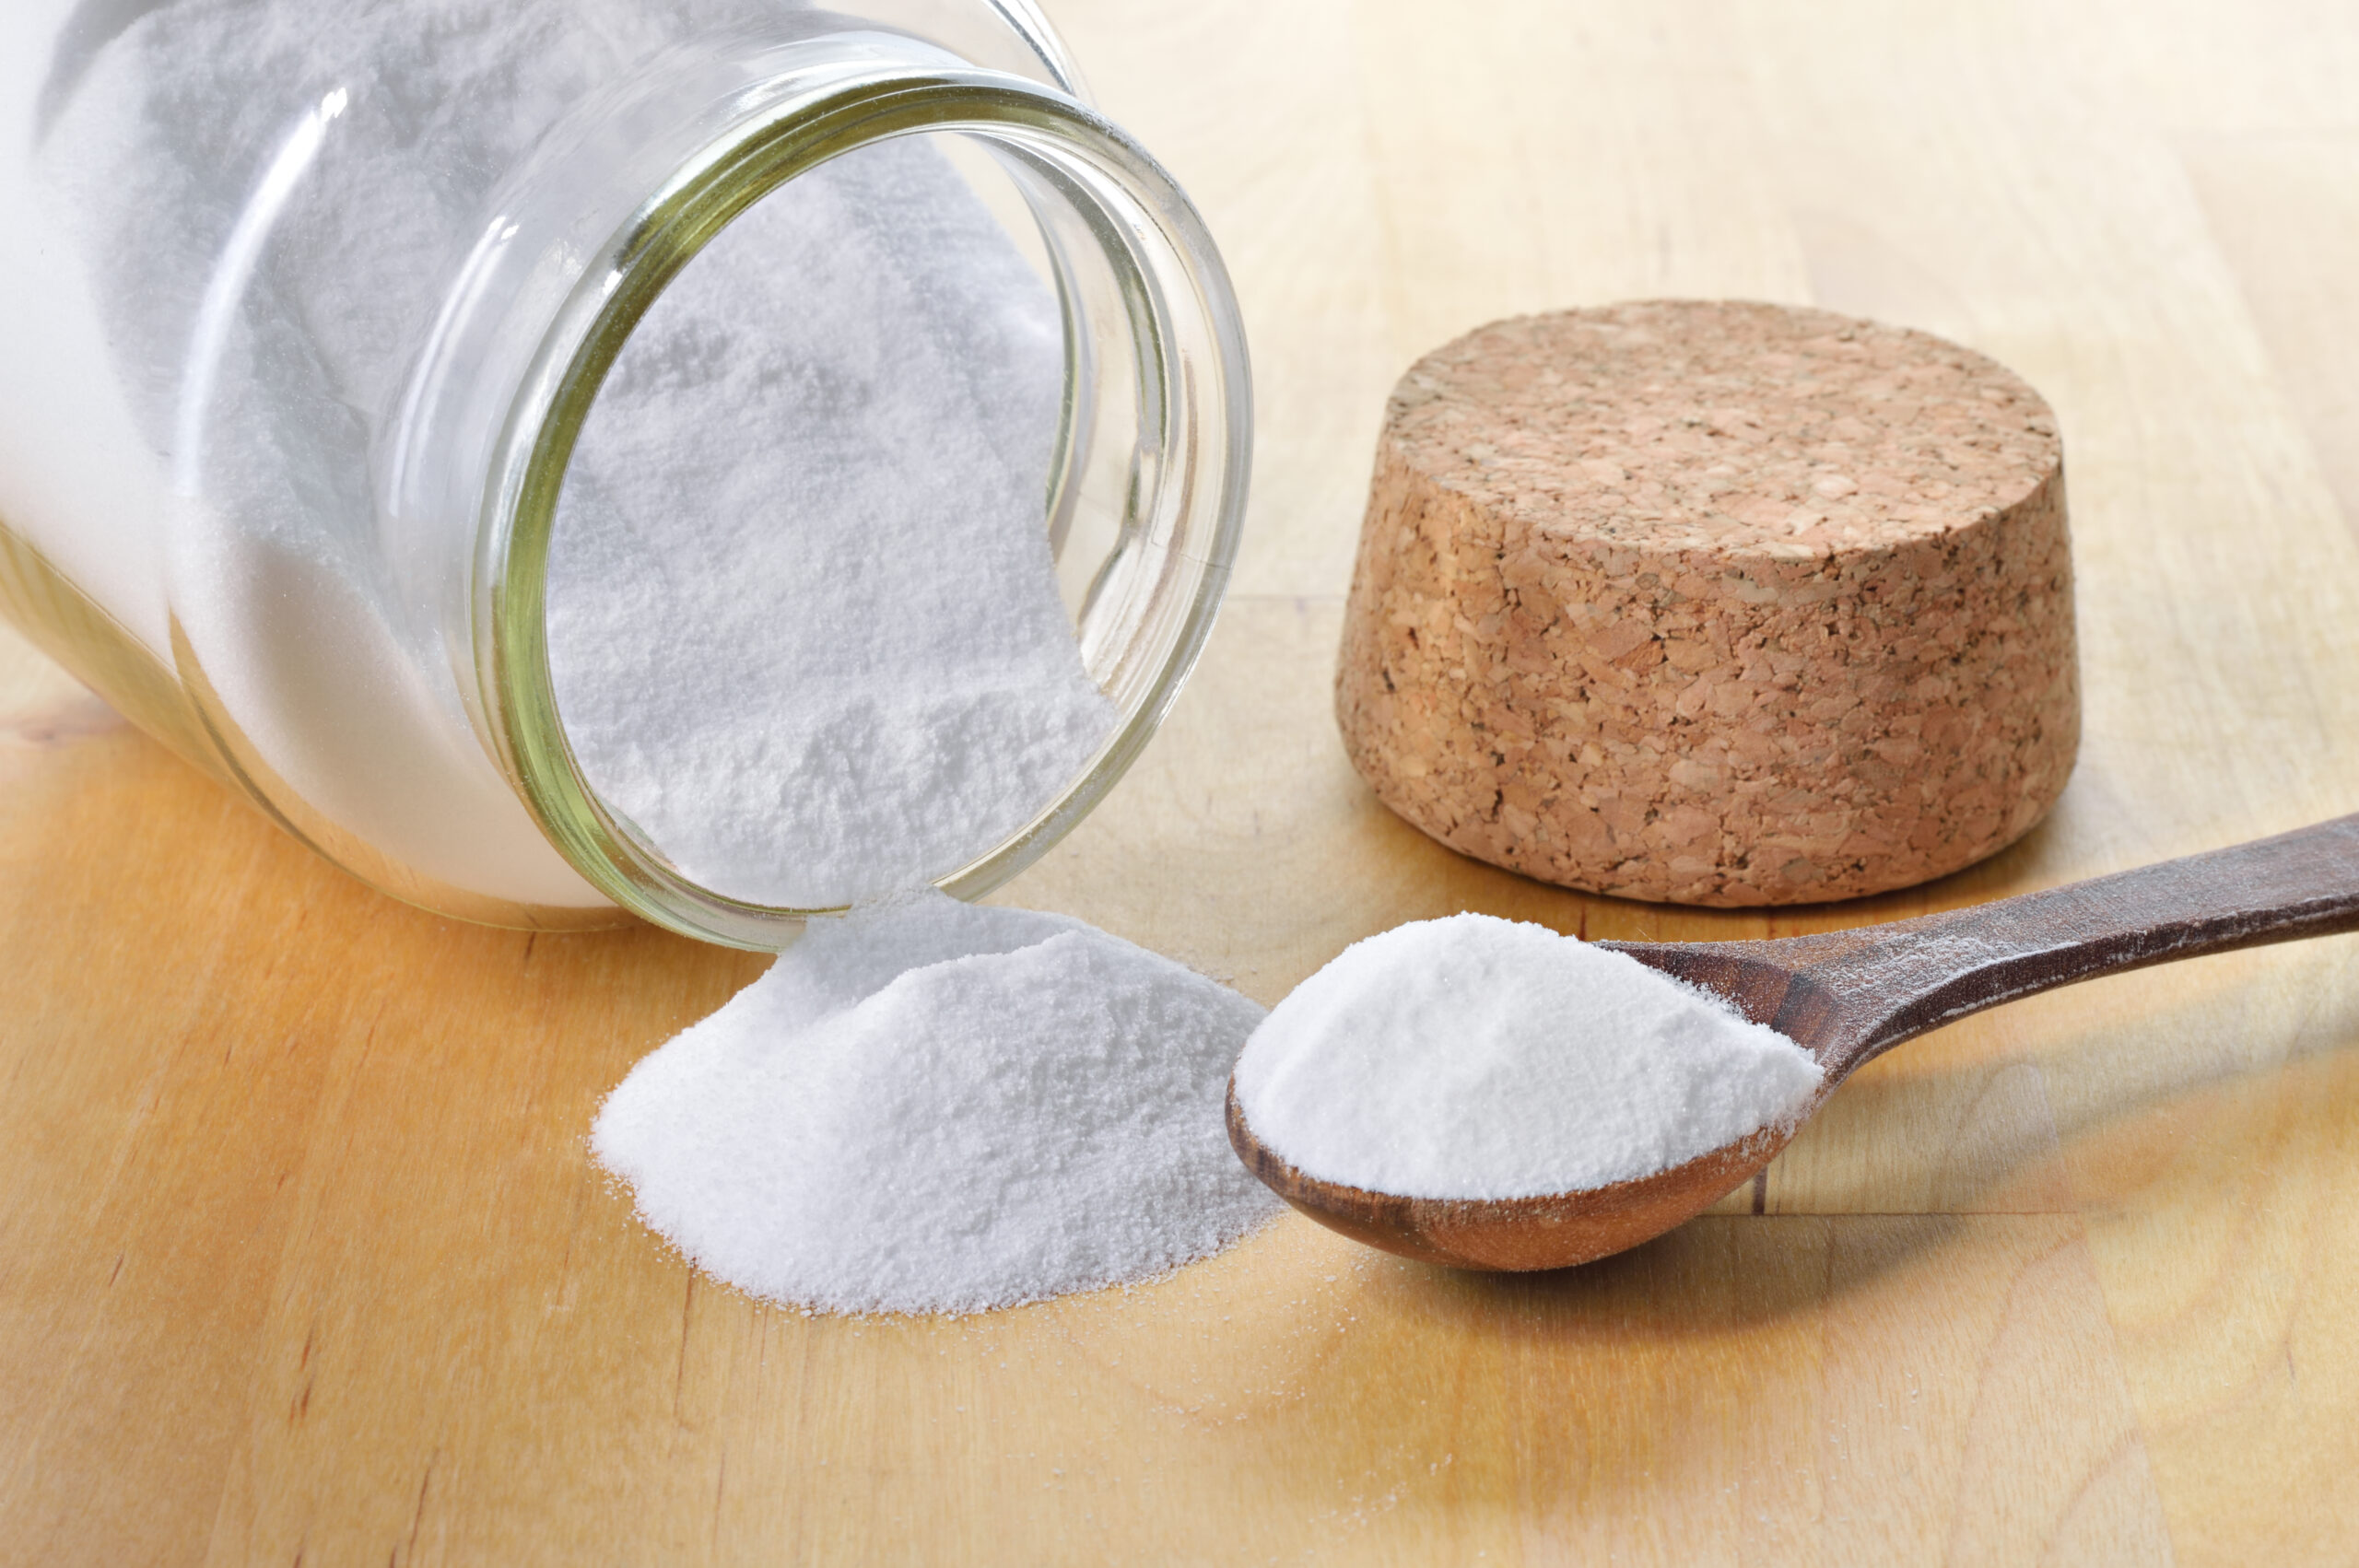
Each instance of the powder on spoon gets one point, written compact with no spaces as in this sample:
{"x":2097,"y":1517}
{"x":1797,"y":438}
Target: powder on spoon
{"x":1476,"y":1058}
{"x":929,"y":1106}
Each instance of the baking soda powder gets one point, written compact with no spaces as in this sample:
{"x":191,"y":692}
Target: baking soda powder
{"x":932,"y":1106}
{"x":1477,"y":1057}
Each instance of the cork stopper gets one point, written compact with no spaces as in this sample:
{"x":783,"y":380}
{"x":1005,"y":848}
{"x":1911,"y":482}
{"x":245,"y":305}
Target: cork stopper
{"x":1717,"y":603}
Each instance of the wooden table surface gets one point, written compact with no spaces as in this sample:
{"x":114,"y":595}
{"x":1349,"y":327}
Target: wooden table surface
{"x":302,"y":1259}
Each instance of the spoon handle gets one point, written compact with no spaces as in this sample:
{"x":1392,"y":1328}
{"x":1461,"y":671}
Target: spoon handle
{"x":1855,"y":994}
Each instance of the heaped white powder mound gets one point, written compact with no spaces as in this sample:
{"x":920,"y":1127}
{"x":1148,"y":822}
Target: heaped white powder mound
{"x":804,"y":620}
{"x":1479,"y":1058}
{"x":930,"y":1106}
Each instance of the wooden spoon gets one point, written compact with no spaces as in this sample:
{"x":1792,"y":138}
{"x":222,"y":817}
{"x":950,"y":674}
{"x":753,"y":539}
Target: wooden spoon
{"x":1848,"y":997}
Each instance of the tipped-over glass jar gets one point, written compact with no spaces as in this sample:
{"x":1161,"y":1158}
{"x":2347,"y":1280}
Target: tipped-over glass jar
{"x":507,"y":438}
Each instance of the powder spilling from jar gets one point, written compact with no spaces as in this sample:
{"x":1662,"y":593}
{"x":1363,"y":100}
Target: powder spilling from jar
{"x":805,"y":634}
{"x":1476,"y":1058}
{"x":930,"y":1106}
{"x":804,"y":621}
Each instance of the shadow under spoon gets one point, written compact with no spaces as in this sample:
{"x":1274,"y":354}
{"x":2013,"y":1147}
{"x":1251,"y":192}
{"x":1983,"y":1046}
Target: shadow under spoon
{"x":1848,"y":997}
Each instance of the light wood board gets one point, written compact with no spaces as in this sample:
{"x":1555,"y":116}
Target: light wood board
{"x":302,"y":1259}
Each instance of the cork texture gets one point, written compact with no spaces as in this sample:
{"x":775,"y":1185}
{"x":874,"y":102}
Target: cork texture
{"x":1711,"y":603}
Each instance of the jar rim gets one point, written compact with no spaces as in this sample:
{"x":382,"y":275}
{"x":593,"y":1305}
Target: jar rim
{"x":1191,"y":336}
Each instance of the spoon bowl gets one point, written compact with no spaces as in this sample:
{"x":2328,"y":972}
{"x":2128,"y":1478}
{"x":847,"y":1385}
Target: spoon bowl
{"x":1514,"y":1235}
{"x":1848,"y":997}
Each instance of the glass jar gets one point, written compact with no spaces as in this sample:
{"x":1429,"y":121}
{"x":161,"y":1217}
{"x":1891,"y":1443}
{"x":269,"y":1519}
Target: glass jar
{"x":301,"y":535}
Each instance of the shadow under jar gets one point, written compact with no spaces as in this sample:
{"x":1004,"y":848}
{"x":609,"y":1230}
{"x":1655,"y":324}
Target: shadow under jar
{"x":319,"y":335}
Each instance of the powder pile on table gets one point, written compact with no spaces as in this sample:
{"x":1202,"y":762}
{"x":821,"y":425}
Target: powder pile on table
{"x":1476,"y":1058}
{"x":932,"y":1106}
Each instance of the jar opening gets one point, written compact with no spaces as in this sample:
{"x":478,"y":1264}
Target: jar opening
{"x":995,"y":330}
{"x":802,"y":613}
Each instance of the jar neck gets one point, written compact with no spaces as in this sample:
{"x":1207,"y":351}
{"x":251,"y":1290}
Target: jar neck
{"x":610,"y":210}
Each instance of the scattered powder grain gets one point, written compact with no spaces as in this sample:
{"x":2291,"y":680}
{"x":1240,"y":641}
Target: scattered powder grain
{"x":929,"y":1106}
{"x":1480,"y":1058}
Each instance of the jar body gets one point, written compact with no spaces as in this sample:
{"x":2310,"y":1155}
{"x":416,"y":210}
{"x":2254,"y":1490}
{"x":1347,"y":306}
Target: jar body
{"x":300,"y":316}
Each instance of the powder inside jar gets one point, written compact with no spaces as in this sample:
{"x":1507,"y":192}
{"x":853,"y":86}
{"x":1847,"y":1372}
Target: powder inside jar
{"x":803,"y":616}
{"x":803,"y":620}
{"x":1476,"y":1058}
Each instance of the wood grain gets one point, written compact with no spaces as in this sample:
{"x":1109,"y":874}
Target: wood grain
{"x":301,"y":1257}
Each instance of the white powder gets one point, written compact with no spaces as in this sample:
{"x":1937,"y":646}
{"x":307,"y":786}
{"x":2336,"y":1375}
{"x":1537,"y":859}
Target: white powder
{"x":803,"y":616}
{"x":1480,"y":1058}
{"x":930,"y":1106}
